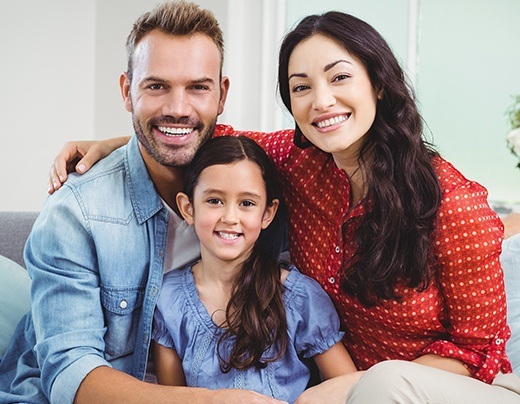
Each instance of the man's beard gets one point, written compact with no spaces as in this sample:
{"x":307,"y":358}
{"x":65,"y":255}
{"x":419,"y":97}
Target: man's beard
{"x":172,"y":156}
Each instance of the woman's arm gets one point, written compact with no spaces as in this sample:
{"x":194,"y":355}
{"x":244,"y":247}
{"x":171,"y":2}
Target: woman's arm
{"x":440,"y":362}
{"x":168,"y":366}
{"x":80,"y":156}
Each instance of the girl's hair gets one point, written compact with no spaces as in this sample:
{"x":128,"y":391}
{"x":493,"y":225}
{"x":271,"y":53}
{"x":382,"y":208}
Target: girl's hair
{"x":255,"y":314}
{"x":395,"y":238}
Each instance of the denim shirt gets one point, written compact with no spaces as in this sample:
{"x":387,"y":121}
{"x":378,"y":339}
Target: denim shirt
{"x":95,"y":256}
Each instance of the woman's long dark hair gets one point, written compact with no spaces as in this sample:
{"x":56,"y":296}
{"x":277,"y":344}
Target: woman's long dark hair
{"x":395,"y":238}
{"x":255,"y":314}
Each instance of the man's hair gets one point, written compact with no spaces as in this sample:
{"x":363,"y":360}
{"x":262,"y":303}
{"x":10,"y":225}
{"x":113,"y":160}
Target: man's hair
{"x":180,"y":18}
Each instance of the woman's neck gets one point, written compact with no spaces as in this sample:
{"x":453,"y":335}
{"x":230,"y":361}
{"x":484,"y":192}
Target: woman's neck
{"x":356,"y":177}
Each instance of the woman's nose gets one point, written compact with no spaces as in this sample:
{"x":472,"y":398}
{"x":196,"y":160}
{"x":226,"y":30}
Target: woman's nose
{"x":323,"y":98}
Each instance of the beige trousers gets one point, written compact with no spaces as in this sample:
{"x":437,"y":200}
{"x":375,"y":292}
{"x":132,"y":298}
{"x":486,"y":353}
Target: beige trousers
{"x":401,"y":382}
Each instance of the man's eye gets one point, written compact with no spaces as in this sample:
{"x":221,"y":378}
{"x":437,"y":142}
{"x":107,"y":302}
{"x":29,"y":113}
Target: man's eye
{"x":200,"y":87}
{"x":156,"y":87}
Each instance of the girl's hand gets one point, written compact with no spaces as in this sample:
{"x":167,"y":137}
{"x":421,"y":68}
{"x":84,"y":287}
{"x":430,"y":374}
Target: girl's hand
{"x":332,"y":391}
{"x":80,"y":156}
{"x":242,"y":396}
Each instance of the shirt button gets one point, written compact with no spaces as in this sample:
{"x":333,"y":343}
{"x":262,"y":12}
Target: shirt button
{"x":338,"y":249}
{"x":332,"y":280}
{"x":123,"y":304}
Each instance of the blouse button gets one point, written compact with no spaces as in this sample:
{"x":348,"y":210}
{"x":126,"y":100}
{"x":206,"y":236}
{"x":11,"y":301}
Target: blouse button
{"x":338,"y":249}
{"x":123,"y":304}
{"x":499,"y":341}
{"x":332,"y":280}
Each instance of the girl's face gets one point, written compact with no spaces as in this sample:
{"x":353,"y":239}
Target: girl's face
{"x":229,"y":209}
{"x":332,"y":99}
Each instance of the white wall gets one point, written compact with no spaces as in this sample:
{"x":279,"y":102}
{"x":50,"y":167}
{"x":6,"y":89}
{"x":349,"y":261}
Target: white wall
{"x":46,"y":97}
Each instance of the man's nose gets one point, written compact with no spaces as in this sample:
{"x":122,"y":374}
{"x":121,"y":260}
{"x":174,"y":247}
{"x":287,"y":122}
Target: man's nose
{"x":177,"y":104}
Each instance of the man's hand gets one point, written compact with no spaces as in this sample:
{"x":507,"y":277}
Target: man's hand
{"x":80,"y":156}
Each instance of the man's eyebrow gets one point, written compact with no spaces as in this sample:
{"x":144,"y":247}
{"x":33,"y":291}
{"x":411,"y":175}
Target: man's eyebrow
{"x":326,"y":68}
{"x":157,"y":79}
{"x":203,"y":80}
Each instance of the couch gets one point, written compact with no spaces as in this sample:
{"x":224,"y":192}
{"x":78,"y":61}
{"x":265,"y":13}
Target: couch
{"x":15,"y":294}
{"x":15,"y":227}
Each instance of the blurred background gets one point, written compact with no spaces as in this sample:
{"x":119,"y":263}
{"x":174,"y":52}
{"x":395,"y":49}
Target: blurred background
{"x":60,"y":62}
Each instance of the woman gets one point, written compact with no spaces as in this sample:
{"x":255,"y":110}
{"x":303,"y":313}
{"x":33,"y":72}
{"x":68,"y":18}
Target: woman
{"x":407,"y":247}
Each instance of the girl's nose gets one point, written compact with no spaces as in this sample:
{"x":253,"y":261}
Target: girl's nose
{"x":230,"y":215}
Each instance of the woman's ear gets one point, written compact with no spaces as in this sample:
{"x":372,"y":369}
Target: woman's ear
{"x":269,"y":214}
{"x":185,"y":207}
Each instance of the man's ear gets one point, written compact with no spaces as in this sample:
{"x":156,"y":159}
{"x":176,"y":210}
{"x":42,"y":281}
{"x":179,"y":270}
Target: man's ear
{"x":270,"y":212}
{"x":224,"y":87}
{"x":124,"y":86}
{"x":185,"y":207}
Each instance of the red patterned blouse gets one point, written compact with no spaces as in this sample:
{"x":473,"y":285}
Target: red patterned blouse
{"x":461,"y":317}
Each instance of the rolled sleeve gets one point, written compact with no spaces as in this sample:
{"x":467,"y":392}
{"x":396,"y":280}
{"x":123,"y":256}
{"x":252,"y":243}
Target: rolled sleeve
{"x":468,"y":250}
{"x":68,"y":381}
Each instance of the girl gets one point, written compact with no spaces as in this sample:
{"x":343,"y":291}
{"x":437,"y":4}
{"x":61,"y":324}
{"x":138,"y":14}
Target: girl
{"x":238,"y":318}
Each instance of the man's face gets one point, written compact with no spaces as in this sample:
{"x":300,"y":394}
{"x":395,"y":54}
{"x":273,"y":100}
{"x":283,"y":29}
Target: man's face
{"x":175,"y":95}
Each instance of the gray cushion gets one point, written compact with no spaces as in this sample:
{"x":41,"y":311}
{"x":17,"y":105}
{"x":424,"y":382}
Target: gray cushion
{"x":14,"y":229}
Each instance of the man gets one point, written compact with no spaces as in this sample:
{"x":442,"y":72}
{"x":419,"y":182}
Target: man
{"x":97,"y":252}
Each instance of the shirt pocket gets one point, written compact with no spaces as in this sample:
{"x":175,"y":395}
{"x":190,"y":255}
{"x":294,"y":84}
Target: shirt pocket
{"x":122,"y":308}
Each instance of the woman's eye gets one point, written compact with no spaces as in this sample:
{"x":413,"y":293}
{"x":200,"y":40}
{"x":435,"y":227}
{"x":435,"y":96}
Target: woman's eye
{"x":297,"y":89}
{"x":340,"y":77}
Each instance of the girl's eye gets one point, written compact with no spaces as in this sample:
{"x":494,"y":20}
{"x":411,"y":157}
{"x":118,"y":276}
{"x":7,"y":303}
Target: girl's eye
{"x":248,"y":203}
{"x":214,"y":201}
{"x":340,"y":77}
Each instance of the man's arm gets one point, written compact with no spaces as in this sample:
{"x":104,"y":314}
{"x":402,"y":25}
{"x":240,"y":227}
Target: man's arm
{"x":80,"y":156}
{"x":105,"y":384}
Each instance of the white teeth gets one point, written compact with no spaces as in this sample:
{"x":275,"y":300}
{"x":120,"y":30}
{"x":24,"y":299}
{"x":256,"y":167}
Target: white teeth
{"x":228,"y":236}
{"x":174,"y":131}
{"x":331,"y":121}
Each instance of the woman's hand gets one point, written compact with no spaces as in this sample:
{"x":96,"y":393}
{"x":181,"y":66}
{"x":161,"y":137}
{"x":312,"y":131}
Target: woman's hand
{"x":80,"y":156}
{"x":332,"y":391}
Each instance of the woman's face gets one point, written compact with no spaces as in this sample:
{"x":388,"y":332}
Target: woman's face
{"x":332,"y":98}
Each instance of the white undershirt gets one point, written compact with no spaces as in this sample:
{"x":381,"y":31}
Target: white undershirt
{"x":182,"y":247}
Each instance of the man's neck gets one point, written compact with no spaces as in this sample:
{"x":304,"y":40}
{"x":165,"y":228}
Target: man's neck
{"x":168,"y":181}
